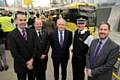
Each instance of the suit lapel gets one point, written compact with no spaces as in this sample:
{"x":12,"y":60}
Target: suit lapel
{"x":103,"y":49}
{"x":94,"y":46}
{"x":65,"y":37}
{"x":28,"y":36}
{"x":56,"y":37}
{"x":20,"y":37}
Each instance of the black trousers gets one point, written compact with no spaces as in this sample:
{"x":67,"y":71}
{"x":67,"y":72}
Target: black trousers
{"x":6,"y":42}
{"x":23,"y":76}
{"x":41,"y":66}
{"x":56,"y":65}
{"x":78,"y":66}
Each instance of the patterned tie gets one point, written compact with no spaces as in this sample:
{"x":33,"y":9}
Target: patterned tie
{"x":96,"y":53}
{"x":24,"y":34}
{"x":61,"y":39}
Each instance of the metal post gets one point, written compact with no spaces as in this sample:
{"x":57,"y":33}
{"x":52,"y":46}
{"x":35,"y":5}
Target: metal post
{"x":28,"y":8}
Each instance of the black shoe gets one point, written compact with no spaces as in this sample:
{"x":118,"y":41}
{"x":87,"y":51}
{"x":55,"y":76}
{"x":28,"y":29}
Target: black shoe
{"x":6,"y":67}
{"x":1,"y":69}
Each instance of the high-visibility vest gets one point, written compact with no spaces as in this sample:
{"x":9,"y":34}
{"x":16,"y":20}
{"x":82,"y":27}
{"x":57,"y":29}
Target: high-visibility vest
{"x":6,"y":24}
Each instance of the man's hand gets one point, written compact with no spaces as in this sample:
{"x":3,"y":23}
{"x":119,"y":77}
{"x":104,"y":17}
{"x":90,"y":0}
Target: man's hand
{"x":89,"y":72}
{"x":29,"y":64}
{"x":43,"y":56}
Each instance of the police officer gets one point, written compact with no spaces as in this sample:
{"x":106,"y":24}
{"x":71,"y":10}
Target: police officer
{"x":82,"y":40}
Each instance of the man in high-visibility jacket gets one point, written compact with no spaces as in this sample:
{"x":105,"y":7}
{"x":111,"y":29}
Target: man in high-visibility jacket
{"x":6,"y":25}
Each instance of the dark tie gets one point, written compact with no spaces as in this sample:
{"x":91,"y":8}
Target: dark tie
{"x":40,"y":34}
{"x":61,"y":39}
{"x":24,"y":34}
{"x":96,"y":53}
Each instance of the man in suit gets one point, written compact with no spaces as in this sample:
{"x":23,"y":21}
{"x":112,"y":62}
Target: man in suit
{"x":102,"y":55}
{"x":60,"y":41}
{"x":41,"y":49}
{"x":21,"y":47}
{"x":81,"y":43}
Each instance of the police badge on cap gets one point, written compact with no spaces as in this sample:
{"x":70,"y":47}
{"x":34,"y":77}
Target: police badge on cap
{"x":81,"y":20}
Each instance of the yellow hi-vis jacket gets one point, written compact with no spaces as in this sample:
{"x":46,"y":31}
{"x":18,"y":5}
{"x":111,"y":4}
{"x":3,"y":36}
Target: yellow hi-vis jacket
{"x":6,"y":24}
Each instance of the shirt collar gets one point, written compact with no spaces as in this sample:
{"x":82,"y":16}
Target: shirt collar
{"x":83,"y":31}
{"x":38,"y":30}
{"x":103,"y":40}
{"x":60,"y":31}
{"x":20,"y":29}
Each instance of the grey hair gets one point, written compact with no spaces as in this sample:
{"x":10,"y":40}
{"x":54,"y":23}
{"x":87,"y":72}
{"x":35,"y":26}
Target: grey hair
{"x":61,"y":19}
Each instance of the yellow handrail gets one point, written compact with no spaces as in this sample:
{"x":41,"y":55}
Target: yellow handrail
{"x":119,"y":59}
{"x":114,"y":75}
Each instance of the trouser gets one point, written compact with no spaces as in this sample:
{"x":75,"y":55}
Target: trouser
{"x":56,"y":65}
{"x":2,"y":56}
{"x":78,"y":66}
{"x":23,"y":76}
{"x":41,"y":66}
{"x":6,"y":42}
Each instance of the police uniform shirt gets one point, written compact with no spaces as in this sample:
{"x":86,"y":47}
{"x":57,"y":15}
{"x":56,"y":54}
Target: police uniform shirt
{"x":88,"y":39}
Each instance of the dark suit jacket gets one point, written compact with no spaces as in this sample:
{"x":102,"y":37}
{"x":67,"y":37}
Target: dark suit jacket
{"x":21,"y":49}
{"x":41,"y":43}
{"x":58,"y":52}
{"x":102,"y":68}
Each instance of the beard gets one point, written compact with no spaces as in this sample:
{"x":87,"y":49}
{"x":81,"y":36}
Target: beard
{"x":103,"y":35}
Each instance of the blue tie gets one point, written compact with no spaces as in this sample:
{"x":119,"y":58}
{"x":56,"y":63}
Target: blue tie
{"x":96,"y":53}
{"x":97,"y":49}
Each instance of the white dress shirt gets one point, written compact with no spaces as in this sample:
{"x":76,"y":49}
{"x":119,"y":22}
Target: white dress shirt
{"x":62,"y":35}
